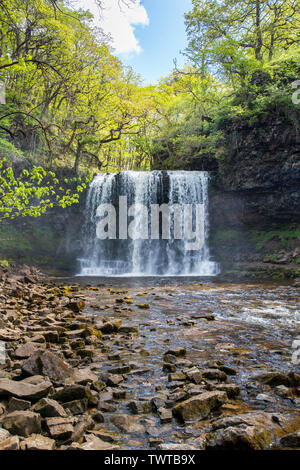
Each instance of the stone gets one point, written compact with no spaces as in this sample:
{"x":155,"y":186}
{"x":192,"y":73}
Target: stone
{"x":282,"y":391}
{"x":177,"y":446}
{"x":84,"y":424}
{"x":76,"y":407}
{"x":95,"y":443}
{"x":274,"y":379}
{"x":177,"y":377}
{"x":76,"y":305}
{"x":15,"y":404}
{"x":126,"y":424}
{"x":111,"y":326}
{"x":178,"y":352}
{"x":24,"y":390}
{"x":26,"y":350}
{"x":165,"y":415}
{"x":4,"y":434}
{"x":12,"y":443}
{"x":98,"y":417}
{"x":70,"y":393}
{"x":38,"y":442}
{"x":22,"y":423}
{"x":51,"y":336}
{"x":83,"y":377}
{"x":113,"y":380}
{"x":49,"y":408}
{"x":232,"y":390}
{"x":291,"y":440}
{"x":199,"y":406}
{"x":265,"y":397}
{"x":122,"y":369}
{"x":48,"y":364}
{"x":60,"y":428}
{"x":194,"y":375}
{"x":239,"y":438}
{"x":214,"y":374}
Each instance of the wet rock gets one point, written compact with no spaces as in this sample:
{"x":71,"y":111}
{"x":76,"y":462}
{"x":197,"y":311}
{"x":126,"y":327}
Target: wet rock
{"x":274,"y":379}
{"x":38,"y":442}
{"x":122,"y":369}
{"x":177,"y":377}
{"x":282,"y":391}
{"x":165,"y":415}
{"x":26,"y":350}
{"x":194,"y":375}
{"x":239,"y":438}
{"x":76,"y":407}
{"x":70,"y":393}
{"x":199,"y":406}
{"x":48,"y":408}
{"x":22,"y":423}
{"x":113,"y":380}
{"x":60,"y":428}
{"x":177,"y":446}
{"x":83,"y":377}
{"x":177,"y":352}
{"x":25,"y":390}
{"x":15,"y":404}
{"x":95,"y":443}
{"x":84,"y":424}
{"x":228,"y":370}
{"x":167,"y":367}
{"x":139,"y":407}
{"x":232,"y":390}
{"x":265,"y":397}
{"x":112,"y":326}
{"x":291,"y":440}
{"x":76,"y":305}
{"x":214,"y":374}
{"x":4,"y":434}
{"x":12,"y":443}
{"x":125,"y":423}
{"x":48,"y":364}
{"x":98,"y":417}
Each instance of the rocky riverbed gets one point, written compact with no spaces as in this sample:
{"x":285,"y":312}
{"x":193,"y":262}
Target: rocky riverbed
{"x":161,"y":365}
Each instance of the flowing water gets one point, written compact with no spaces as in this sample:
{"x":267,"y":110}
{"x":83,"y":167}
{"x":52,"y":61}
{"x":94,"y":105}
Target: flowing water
{"x":143,"y":251}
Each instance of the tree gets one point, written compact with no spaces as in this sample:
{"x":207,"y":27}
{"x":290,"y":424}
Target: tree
{"x":233,"y":37}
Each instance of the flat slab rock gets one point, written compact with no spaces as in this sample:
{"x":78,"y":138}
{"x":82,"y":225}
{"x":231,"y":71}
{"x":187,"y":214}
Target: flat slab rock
{"x":22,"y":423}
{"x":199,"y":406}
{"x":47,"y":364}
{"x":38,"y":442}
{"x":24,"y":389}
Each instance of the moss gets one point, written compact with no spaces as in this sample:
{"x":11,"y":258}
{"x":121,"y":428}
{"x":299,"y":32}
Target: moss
{"x":284,"y":235}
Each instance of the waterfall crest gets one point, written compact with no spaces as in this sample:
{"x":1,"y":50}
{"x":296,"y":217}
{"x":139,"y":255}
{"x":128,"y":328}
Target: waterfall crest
{"x":142,"y":255}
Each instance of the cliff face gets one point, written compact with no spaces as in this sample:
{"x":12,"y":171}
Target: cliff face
{"x":255,"y":195}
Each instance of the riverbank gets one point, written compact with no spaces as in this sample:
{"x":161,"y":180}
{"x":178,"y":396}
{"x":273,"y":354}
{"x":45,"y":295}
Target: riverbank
{"x":134,"y":364}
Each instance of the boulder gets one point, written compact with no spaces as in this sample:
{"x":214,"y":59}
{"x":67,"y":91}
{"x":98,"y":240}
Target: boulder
{"x":199,"y":406}
{"x":94,"y":443}
{"x":291,"y":440}
{"x":48,"y":408}
{"x":38,"y":442}
{"x":25,"y":390}
{"x":48,"y":364}
{"x":12,"y":443}
{"x":60,"y":428}
{"x":26,"y":350}
{"x":15,"y":404}
{"x":22,"y":423}
{"x":239,"y":438}
{"x":71,"y":393}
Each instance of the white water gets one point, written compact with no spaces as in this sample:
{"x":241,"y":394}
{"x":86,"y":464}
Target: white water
{"x":146,"y":257}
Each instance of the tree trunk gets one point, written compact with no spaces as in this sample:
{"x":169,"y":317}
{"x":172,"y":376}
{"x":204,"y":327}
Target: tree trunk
{"x":77,"y":159}
{"x":258,"y":46}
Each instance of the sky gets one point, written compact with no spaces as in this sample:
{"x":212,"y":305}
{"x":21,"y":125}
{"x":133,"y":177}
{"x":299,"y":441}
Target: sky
{"x":148,"y":35}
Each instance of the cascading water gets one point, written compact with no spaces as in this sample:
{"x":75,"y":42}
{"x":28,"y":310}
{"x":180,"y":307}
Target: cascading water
{"x":143,"y":254}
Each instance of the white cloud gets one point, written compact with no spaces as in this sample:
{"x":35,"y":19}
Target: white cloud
{"x":119,"y":22}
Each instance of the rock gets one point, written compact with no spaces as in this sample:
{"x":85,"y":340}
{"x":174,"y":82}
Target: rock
{"x":232,"y":390}
{"x":214,"y":374}
{"x":199,"y":406}
{"x":70,"y":393}
{"x":265,"y":397}
{"x":125,"y":423}
{"x":51,"y":336}
{"x":113,"y":380}
{"x":83,"y":377}
{"x":48,"y":408}
{"x":98,"y":417}
{"x":76,"y":407}
{"x":38,"y":442}
{"x":94,"y":443}
{"x":12,"y":443}
{"x":22,"y":423}
{"x":139,"y":407}
{"x":165,"y":415}
{"x":48,"y":364}
{"x":194,"y":375}
{"x":177,"y":377}
{"x":26,"y":350}
{"x":177,"y":446}
{"x":239,"y":438}
{"x":282,"y":391}
{"x":111,"y":326}
{"x":122,"y":369}
{"x":291,"y":440}
{"x":274,"y":379}
{"x":178,"y":352}
{"x":15,"y":404}
{"x":25,"y":390}
{"x":4,"y":434}
{"x":84,"y":424}
{"x":60,"y":428}
{"x":76,"y":305}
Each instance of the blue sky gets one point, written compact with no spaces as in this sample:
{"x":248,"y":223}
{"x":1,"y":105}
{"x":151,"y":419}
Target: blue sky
{"x":147,"y":36}
{"x":161,"y":40}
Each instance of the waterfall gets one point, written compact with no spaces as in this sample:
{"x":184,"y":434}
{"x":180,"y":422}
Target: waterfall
{"x":142,"y":251}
